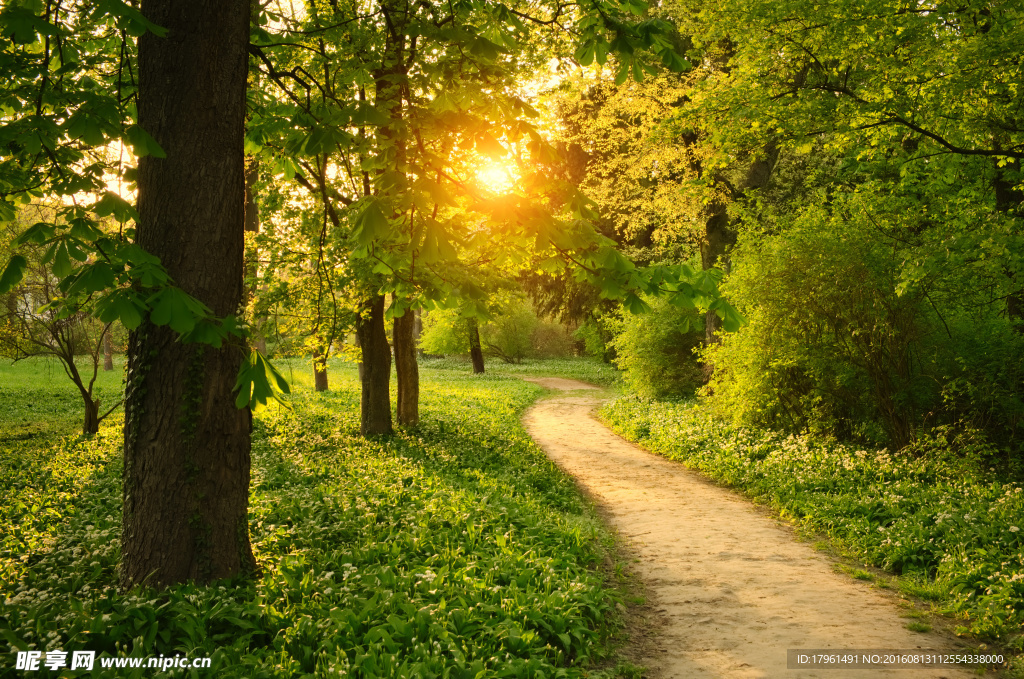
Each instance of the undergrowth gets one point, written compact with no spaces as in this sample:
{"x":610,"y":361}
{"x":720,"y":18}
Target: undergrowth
{"x":943,"y":519}
{"x":454,"y":549}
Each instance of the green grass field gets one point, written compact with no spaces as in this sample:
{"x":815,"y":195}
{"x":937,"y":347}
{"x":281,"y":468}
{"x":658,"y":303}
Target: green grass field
{"x":453,"y":549}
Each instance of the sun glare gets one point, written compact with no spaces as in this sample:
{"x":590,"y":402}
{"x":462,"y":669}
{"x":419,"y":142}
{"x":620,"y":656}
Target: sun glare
{"x":496,"y":178}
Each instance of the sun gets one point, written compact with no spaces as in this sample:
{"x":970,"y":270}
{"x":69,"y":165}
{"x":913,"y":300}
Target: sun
{"x":497,"y":178}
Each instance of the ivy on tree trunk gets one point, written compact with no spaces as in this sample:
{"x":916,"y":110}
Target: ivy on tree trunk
{"x":187,"y":447}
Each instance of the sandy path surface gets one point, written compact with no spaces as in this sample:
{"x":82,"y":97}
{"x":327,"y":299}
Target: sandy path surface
{"x":735,"y":587}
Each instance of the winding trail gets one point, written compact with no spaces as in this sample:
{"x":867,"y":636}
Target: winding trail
{"x":734,"y":588}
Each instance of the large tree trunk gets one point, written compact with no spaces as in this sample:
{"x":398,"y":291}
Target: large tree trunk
{"x":476,"y":353}
{"x":319,"y":369}
{"x":375,"y":370}
{"x":407,"y":369}
{"x":186,"y":445}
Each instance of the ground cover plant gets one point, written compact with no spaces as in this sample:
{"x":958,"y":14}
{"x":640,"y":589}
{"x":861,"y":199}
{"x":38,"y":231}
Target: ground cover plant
{"x":590,"y":370}
{"x":455,"y":549}
{"x":945,"y":521}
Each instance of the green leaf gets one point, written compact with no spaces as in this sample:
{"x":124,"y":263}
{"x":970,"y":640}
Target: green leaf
{"x":62,"y":260}
{"x":371,"y":223}
{"x":85,"y":128}
{"x":38,"y":233}
{"x":174,"y":307}
{"x":123,"y":305}
{"x":623,"y":73}
{"x":488,"y":145}
{"x":254,"y":383}
{"x":585,"y":53}
{"x":112,"y":204}
{"x":92,"y":278}
{"x":128,"y":18}
{"x":143,"y":144}
{"x":13,"y":273}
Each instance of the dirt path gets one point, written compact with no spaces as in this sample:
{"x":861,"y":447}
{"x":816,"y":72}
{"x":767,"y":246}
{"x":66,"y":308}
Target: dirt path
{"x":735,"y":588}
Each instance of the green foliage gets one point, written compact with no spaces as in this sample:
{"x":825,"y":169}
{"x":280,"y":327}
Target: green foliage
{"x":509,"y":335}
{"x":943,"y":514}
{"x":656,"y":350}
{"x":513,"y":333}
{"x":454,"y":549}
{"x":444,"y":333}
{"x":838,"y":344}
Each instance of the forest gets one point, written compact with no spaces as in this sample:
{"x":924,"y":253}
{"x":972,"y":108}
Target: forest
{"x":287,"y":284}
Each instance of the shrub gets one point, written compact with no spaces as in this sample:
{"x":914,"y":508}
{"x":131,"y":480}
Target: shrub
{"x":839,"y":343}
{"x":656,"y":349}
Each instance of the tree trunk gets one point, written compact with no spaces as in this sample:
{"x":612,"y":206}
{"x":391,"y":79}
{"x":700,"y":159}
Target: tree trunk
{"x":407,"y":369}
{"x":475,"y":351}
{"x":91,"y":425}
{"x":375,"y":400}
{"x":319,"y":369}
{"x":186,"y":445}
{"x":108,"y":351}
{"x":417,"y":330}
{"x":1009,"y":199}
{"x":252,"y":213}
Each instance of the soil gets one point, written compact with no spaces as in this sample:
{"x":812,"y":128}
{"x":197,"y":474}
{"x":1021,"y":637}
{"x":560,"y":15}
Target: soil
{"x":733,"y":587}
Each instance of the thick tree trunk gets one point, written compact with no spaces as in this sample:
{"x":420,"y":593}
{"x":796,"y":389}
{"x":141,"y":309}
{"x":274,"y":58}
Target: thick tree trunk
{"x":407,"y":369}
{"x":476,"y":353}
{"x":375,"y":374}
{"x":108,"y":351}
{"x":319,"y":369}
{"x":186,"y":447}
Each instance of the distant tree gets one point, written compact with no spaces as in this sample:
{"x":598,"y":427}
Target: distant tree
{"x":31,"y":326}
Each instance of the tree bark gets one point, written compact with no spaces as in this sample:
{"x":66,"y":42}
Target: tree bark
{"x":108,"y":351}
{"x":319,"y":369}
{"x":1009,"y":199}
{"x":417,"y":331}
{"x":476,"y":353}
{"x":407,"y":369}
{"x":186,"y":445}
{"x":91,"y":425}
{"x":375,"y":375}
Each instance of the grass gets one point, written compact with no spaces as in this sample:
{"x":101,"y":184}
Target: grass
{"x":589,"y":370}
{"x":947,"y":526}
{"x":39,"y":401}
{"x":453,"y":549}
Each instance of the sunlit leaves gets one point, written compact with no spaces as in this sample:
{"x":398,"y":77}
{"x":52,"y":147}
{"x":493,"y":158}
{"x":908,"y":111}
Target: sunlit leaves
{"x":371,"y":223}
{"x":259,"y":382}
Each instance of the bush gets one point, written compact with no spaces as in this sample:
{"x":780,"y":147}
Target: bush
{"x":514,"y":334}
{"x":656,"y":349}
{"x":941,"y":514}
{"x":444,"y":333}
{"x":839,"y":344}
